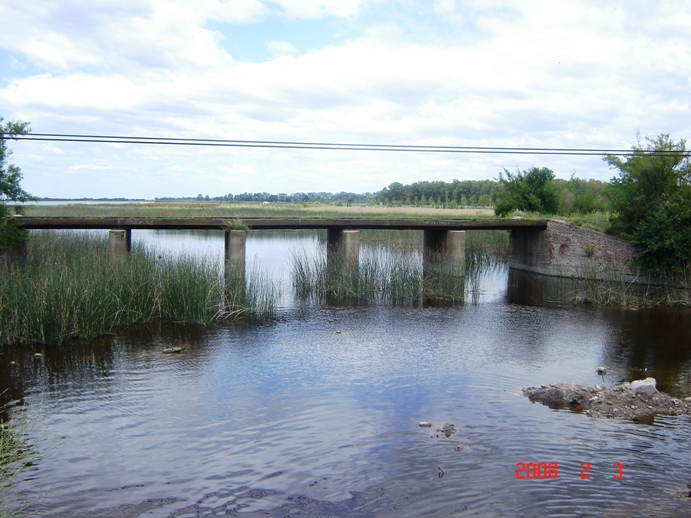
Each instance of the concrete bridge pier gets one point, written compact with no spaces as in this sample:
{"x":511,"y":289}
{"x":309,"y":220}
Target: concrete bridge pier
{"x":444,"y":251}
{"x":235,"y":241}
{"x":120,"y":242}
{"x":342,"y":249}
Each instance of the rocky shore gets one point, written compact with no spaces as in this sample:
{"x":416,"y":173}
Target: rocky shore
{"x":637,"y":401}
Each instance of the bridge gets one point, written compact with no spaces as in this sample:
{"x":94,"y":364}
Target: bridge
{"x":547,"y":247}
{"x":444,"y":239}
{"x":270,"y":223}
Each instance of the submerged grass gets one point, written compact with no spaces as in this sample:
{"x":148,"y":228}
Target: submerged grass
{"x":70,"y":286}
{"x":616,"y":290}
{"x":16,"y":457}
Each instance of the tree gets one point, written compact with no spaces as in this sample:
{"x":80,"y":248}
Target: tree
{"x":651,"y":203}
{"x":531,"y":190}
{"x":10,"y":191}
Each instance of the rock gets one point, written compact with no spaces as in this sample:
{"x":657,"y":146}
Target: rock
{"x":172,"y":350}
{"x":601,"y":370}
{"x":425,"y":424}
{"x":460,"y":447}
{"x":448,"y":430}
{"x":647,"y":386}
{"x":639,"y":400}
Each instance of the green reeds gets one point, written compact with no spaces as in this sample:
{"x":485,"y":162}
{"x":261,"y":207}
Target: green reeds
{"x":70,"y":286}
{"x":392,"y":269}
{"x":393,"y":276}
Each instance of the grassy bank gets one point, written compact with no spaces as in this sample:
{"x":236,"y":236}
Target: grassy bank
{"x":70,"y":286}
{"x":242,"y":210}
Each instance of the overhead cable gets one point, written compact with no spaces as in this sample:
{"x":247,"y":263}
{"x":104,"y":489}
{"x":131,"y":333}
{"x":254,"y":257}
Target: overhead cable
{"x":169,"y":141}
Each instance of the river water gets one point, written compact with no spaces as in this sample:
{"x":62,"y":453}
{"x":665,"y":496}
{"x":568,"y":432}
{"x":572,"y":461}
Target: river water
{"x":317,"y":411}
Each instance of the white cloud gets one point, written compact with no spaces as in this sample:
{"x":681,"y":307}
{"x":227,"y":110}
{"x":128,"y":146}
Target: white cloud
{"x":562,"y":74}
{"x":444,"y":6}
{"x":281,"y":48}
{"x":239,"y":11}
{"x":320,"y":8}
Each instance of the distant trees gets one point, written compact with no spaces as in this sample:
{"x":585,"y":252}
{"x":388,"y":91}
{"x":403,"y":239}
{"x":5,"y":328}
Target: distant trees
{"x":651,"y":203}
{"x":533,"y":190}
{"x":438,"y":193}
{"x":10,"y":191}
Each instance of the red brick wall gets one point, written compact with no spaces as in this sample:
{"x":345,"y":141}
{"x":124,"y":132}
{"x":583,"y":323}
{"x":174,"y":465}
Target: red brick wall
{"x":567,"y":251}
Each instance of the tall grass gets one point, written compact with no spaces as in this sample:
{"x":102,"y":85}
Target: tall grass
{"x":380,"y":275}
{"x":70,"y":286}
{"x":386,"y":275}
{"x":392,"y":269}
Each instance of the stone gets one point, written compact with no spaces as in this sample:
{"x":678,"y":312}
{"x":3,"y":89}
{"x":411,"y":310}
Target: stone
{"x":639,"y":399}
{"x":424,"y":424}
{"x":172,"y":350}
{"x":647,"y":386}
{"x":448,"y":430}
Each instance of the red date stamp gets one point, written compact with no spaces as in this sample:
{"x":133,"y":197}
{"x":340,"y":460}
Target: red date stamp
{"x":550,"y":470}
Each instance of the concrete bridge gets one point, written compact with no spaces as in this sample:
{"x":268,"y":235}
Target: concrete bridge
{"x":444,"y":240}
{"x":548,"y":247}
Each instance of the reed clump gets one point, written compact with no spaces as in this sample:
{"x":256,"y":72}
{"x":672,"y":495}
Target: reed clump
{"x":392,"y":269}
{"x":70,"y":286}
{"x":615,"y":289}
{"x":381,"y":275}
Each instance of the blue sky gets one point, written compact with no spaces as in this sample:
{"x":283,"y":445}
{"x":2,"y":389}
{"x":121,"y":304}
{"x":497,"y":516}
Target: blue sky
{"x":446,"y":72}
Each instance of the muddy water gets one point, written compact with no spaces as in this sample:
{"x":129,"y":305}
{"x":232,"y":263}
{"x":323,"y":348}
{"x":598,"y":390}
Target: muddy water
{"x":317,"y":412}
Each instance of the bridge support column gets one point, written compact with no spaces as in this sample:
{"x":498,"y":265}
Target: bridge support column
{"x":235,"y":252}
{"x":342,"y":249}
{"x":444,"y":250}
{"x":120,"y":242}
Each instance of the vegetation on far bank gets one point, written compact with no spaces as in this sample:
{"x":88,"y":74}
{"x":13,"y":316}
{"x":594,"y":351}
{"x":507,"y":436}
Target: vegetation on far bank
{"x":249,"y":210}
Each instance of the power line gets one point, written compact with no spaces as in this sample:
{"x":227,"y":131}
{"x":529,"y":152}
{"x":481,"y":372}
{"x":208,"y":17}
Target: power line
{"x":169,"y":141}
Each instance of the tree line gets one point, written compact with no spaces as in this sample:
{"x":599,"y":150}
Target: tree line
{"x":297,"y":197}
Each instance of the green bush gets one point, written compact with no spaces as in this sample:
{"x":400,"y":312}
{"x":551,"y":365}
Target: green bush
{"x":651,"y":201}
{"x":533,"y":191}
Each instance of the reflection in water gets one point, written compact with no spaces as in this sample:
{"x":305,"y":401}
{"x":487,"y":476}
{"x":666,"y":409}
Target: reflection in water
{"x":318,"y":411}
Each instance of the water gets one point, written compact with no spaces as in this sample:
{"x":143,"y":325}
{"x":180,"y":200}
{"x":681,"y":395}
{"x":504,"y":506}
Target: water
{"x":317,"y":412}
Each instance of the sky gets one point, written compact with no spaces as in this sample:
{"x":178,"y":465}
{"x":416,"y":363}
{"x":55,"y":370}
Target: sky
{"x":515,"y":73}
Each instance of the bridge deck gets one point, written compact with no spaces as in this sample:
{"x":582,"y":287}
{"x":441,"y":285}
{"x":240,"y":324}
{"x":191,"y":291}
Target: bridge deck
{"x":196,"y":223}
